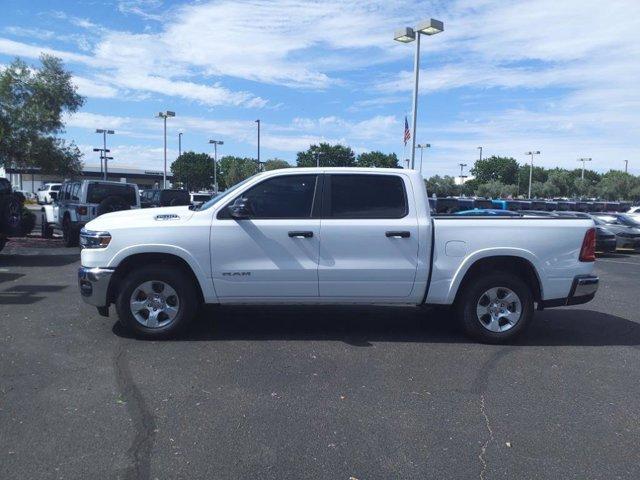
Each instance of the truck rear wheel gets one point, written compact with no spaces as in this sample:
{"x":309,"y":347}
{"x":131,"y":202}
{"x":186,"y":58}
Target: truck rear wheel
{"x":157,"y":301}
{"x":495,"y":308}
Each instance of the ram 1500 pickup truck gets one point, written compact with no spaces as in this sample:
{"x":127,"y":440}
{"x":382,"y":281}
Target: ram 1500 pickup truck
{"x":333,"y":236}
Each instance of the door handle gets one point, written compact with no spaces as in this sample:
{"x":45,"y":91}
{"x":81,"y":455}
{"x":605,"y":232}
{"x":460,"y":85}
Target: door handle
{"x":402,"y":234}
{"x":305,"y":234}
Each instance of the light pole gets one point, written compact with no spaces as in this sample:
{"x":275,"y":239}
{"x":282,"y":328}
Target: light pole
{"x":626,"y":166}
{"x":532,"y":153}
{"x":258,"y":122}
{"x":480,"y":148}
{"x":215,"y":163}
{"x":462,"y":176}
{"x":583,"y":160}
{"x":422,"y":146}
{"x":164,"y":116}
{"x":180,"y":153}
{"x":104,"y":133}
{"x":406,"y":35}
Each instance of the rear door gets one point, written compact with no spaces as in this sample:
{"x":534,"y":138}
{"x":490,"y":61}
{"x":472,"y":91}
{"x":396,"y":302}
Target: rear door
{"x":369,"y":236}
{"x":274,"y":252}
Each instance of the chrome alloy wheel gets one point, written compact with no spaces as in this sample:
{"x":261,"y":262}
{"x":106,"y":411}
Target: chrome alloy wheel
{"x":499,"y":309}
{"x":154,"y":304}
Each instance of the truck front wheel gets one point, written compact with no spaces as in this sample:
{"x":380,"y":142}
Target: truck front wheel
{"x":157,"y":301}
{"x":495,"y":308}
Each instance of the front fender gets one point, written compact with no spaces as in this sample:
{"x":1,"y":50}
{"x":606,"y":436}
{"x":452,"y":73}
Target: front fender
{"x":48,"y":213}
{"x":204,"y":279}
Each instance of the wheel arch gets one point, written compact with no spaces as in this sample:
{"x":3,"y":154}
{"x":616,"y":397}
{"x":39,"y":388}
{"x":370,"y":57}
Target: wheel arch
{"x":516,"y":264}
{"x":129,"y":263}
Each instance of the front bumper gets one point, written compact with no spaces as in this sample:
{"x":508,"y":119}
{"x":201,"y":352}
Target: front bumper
{"x":94,"y":285}
{"x":583,"y":289}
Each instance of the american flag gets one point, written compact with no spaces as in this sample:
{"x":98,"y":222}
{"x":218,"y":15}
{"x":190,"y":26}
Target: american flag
{"x":407,"y":133}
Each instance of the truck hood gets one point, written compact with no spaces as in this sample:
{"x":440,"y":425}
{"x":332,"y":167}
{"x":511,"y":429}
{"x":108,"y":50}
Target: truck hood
{"x":142,"y":217}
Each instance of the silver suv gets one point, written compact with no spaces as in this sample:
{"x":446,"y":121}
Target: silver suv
{"x":80,"y":201}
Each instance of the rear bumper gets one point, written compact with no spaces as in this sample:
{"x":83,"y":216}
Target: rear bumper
{"x":94,"y":285}
{"x":583,"y":289}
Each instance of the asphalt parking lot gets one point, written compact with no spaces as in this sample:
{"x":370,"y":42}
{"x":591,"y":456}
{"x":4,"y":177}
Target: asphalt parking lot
{"x":335,"y":393}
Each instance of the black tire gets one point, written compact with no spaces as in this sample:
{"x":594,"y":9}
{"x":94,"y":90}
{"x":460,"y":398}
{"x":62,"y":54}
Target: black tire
{"x":70,"y":234}
{"x":45,"y":229}
{"x":3,"y":242}
{"x":473,"y":295}
{"x":112,"y":204}
{"x":11,"y":217}
{"x":173,"y":276}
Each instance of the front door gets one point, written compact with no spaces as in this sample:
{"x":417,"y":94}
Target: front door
{"x":369,"y":233}
{"x":274,"y":252}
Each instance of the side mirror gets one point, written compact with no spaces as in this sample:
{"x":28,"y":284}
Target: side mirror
{"x":240,"y":209}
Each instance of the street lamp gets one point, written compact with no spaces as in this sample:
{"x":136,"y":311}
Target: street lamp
{"x":480,"y":148}
{"x":583,"y":160}
{"x":164,"y":116}
{"x":422,"y":146}
{"x":626,"y":166}
{"x":407,"y":35}
{"x":104,"y":133}
{"x":462,"y":175}
{"x":532,"y":153}
{"x":215,"y":163}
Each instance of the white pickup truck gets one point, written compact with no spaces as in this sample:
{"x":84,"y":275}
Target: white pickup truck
{"x":333,"y":236}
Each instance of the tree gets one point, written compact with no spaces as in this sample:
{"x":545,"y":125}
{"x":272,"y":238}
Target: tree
{"x":32,"y":102}
{"x":559,"y":183}
{"x":195,"y":171}
{"x":441,"y":186}
{"x":377,"y":159}
{"x":617,"y":185}
{"x":327,"y":156}
{"x":496,"y":189}
{"x":235,"y":169}
{"x":503,"y":169}
{"x":275,"y":163}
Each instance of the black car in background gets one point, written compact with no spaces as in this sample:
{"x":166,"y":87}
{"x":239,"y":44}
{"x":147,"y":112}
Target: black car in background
{"x":627,"y":236}
{"x":164,"y":198}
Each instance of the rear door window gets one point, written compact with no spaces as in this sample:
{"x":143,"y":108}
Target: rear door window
{"x":366,"y":196}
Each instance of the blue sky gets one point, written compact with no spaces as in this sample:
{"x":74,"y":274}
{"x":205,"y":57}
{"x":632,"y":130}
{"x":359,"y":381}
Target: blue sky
{"x":556,"y":76}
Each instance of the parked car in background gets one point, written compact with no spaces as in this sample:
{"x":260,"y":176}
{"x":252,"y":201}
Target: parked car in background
{"x":46,"y":193}
{"x":81,"y":201}
{"x":12,"y":221}
{"x":333,"y":236}
{"x":26,"y":194}
{"x":488,"y":212}
{"x":626,"y":236}
{"x":164,"y":198}
{"x":198,"y":198}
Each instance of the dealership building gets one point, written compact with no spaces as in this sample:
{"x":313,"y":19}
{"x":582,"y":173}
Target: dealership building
{"x":31,"y":179}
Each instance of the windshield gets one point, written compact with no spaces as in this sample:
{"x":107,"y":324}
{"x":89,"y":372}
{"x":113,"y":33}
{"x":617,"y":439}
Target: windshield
{"x":226,"y":193}
{"x":628,"y":221}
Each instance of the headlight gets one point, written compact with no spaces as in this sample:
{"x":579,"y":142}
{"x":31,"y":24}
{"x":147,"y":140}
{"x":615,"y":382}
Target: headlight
{"x":90,"y":239}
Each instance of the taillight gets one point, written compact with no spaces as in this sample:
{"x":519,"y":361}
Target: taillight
{"x":588,"y":250}
{"x":81,"y":210}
